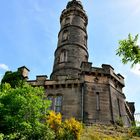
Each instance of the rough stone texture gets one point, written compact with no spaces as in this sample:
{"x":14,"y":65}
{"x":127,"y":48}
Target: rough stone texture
{"x":72,"y":39}
{"x":24,"y":71}
{"x":89,"y":93}
{"x":71,"y":105}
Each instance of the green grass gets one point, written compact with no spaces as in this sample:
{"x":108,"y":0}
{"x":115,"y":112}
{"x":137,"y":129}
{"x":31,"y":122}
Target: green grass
{"x":107,"y":132}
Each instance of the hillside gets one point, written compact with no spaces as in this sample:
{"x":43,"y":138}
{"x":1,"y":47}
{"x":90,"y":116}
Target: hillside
{"x":104,"y":132}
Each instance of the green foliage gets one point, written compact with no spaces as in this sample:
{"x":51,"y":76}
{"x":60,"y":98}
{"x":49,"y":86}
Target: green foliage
{"x":15,"y":79}
{"x":22,"y":111}
{"x":1,"y":136}
{"x":73,"y":128}
{"x":129,"y":51}
{"x":135,"y":131}
{"x":119,"y":121}
{"x":107,"y":132}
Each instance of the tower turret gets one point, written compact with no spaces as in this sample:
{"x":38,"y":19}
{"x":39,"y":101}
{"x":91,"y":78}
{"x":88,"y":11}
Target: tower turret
{"x":72,"y":42}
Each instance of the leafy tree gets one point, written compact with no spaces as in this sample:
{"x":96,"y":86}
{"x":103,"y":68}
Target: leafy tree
{"x":129,"y":51}
{"x":13,"y":78}
{"x":22,"y":111}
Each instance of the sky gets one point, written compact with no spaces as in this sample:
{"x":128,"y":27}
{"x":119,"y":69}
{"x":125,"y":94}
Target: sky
{"x":29,"y":33}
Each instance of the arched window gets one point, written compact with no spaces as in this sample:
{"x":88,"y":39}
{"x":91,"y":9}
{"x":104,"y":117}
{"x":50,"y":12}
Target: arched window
{"x":85,"y":40}
{"x":67,"y":21}
{"x":65,"y":35}
{"x":63,"y":56}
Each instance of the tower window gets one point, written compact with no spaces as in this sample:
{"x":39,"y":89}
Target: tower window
{"x":97,"y":101}
{"x":65,"y":35}
{"x":56,"y":102}
{"x":63,"y":56}
{"x":85,"y":40}
{"x":86,"y":57}
{"x":67,"y":21}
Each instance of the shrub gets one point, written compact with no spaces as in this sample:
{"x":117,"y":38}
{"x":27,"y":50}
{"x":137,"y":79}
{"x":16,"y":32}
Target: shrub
{"x":119,"y":122}
{"x":135,"y":131}
{"x":70,"y":129}
{"x":54,"y":120}
{"x":1,"y":136}
{"x":22,"y":110}
{"x":73,"y":128}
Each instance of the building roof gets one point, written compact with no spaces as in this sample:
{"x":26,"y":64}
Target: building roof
{"x":74,"y":3}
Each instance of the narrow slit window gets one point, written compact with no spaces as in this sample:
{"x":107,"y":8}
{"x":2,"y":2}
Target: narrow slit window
{"x":67,"y":21}
{"x":65,"y":35}
{"x":97,"y":101}
{"x":63,"y":56}
{"x":85,"y":40}
{"x":119,"y":110}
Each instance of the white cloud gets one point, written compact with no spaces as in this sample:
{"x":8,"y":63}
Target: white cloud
{"x":136,"y":69}
{"x":4,"y":67}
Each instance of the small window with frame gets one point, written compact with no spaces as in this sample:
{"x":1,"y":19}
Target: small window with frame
{"x":56,"y":102}
{"x":65,"y":35}
{"x":63,"y":56}
{"x":67,"y":21}
{"x":85,"y":40}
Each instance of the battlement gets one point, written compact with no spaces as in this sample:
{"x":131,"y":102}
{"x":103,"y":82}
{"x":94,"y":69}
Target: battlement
{"x":41,"y":77}
{"x":105,"y":70}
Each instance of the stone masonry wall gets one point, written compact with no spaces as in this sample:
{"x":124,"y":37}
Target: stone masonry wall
{"x":71,"y":104}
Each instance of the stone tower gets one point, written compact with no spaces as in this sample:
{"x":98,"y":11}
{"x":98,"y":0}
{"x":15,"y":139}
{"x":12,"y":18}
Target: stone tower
{"x":72,"y":42}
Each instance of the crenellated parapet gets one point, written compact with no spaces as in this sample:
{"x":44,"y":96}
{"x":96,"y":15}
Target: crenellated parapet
{"x":105,"y":70}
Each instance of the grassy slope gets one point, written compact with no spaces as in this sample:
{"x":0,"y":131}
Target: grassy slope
{"x":103,"y":132}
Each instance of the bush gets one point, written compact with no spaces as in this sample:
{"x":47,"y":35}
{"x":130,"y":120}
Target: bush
{"x":70,"y":129}
{"x":22,"y":110}
{"x":73,"y":128}
{"x":54,"y":120}
{"x":119,"y":122}
{"x":1,"y":136}
{"x":135,"y":131}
